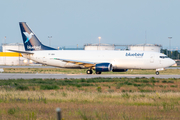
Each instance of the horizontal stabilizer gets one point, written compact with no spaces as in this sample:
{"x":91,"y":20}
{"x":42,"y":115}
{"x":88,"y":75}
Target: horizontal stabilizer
{"x":23,"y":52}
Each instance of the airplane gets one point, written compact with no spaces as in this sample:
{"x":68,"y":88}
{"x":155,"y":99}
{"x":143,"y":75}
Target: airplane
{"x":98,"y":60}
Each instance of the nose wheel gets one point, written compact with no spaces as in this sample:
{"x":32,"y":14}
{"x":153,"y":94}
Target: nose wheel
{"x":157,"y":72}
{"x":89,"y":71}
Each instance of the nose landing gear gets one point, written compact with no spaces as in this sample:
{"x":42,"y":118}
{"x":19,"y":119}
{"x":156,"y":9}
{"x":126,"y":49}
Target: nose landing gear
{"x":157,"y":72}
{"x":159,"y":69}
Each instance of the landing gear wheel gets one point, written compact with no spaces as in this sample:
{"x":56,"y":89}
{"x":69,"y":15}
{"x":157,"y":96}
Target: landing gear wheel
{"x":98,"y":72}
{"x":157,"y":72}
{"x":89,"y":71}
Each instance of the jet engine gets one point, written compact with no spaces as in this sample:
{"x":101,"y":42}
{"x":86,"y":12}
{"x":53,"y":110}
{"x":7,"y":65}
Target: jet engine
{"x":103,"y":67}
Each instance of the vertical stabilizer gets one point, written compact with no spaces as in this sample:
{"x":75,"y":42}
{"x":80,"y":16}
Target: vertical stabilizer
{"x":31,"y":42}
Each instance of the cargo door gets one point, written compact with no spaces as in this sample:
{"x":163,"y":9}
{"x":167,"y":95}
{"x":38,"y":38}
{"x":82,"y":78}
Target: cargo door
{"x":160,"y":63}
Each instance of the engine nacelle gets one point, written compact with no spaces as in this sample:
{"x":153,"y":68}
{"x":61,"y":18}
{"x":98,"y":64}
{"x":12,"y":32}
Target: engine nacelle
{"x":103,"y":67}
{"x":120,"y":70}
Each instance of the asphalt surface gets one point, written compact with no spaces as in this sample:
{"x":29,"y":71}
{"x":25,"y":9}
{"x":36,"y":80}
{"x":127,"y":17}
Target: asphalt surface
{"x":75,"y":76}
{"x":6,"y":76}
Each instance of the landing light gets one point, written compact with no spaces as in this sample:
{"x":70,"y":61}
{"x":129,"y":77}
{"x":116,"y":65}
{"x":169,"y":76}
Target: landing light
{"x":31,"y":61}
{"x":25,"y":61}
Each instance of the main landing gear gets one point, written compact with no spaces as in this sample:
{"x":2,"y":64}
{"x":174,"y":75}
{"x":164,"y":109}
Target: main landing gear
{"x":89,"y":71}
{"x":157,"y":72}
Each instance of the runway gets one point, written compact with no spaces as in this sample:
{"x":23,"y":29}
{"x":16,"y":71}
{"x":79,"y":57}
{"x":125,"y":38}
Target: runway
{"x":6,"y":76}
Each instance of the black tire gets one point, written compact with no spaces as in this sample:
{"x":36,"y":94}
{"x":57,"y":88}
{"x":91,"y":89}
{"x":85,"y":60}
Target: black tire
{"x":157,"y":72}
{"x":89,"y":71}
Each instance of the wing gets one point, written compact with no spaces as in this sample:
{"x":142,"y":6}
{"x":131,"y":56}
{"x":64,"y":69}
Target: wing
{"x":23,"y":52}
{"x":76,"y":62}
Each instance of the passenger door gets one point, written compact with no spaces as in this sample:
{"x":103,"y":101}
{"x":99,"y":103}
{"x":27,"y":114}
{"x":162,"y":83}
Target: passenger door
{"x":152,"y":58}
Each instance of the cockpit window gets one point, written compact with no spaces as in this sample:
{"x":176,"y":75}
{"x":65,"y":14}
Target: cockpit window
{"x":163,"y":57}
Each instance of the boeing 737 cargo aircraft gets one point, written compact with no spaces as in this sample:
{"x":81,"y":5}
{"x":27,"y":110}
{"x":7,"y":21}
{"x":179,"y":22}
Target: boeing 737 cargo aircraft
{"x":100,"y":61}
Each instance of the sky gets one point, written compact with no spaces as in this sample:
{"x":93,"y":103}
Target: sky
{"x":72,"y":22}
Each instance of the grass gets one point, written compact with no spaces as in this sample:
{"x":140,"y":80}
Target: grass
{"x":94,"y":98}
{"x":83,"y":71}
{"x":79,"y":105}
{"x":94,"y":84}
{"x":49,"y":87}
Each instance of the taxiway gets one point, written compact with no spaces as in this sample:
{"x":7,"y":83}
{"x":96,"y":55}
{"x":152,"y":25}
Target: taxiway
{"x":6,"y":76}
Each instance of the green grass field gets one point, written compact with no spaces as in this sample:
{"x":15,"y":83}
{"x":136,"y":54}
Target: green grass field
{"x":89,"y":99}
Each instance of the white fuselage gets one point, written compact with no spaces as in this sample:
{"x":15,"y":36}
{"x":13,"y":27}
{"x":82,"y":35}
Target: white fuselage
{"x":118,"y":59}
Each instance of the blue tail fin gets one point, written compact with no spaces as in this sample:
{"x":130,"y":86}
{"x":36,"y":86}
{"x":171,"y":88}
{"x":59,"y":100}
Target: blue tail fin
{"x":31,"y":42}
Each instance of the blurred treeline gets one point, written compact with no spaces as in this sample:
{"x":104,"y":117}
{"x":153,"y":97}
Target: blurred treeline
{"x":172,"y":54}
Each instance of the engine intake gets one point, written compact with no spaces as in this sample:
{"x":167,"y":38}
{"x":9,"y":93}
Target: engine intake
{"x":103,"y":67}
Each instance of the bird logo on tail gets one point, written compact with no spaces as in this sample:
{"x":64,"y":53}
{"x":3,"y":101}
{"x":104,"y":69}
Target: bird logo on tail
{"x":28,"y":36}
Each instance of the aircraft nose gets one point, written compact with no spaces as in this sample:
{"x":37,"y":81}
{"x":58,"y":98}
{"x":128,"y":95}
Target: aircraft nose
{"x":172,"y":62}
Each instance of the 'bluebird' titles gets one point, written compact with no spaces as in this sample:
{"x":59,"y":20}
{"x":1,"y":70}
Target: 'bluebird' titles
{"x":135,"y":54}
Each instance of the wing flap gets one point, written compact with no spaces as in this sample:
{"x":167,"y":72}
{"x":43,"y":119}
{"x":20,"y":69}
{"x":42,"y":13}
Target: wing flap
{"x":84,"y":63}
